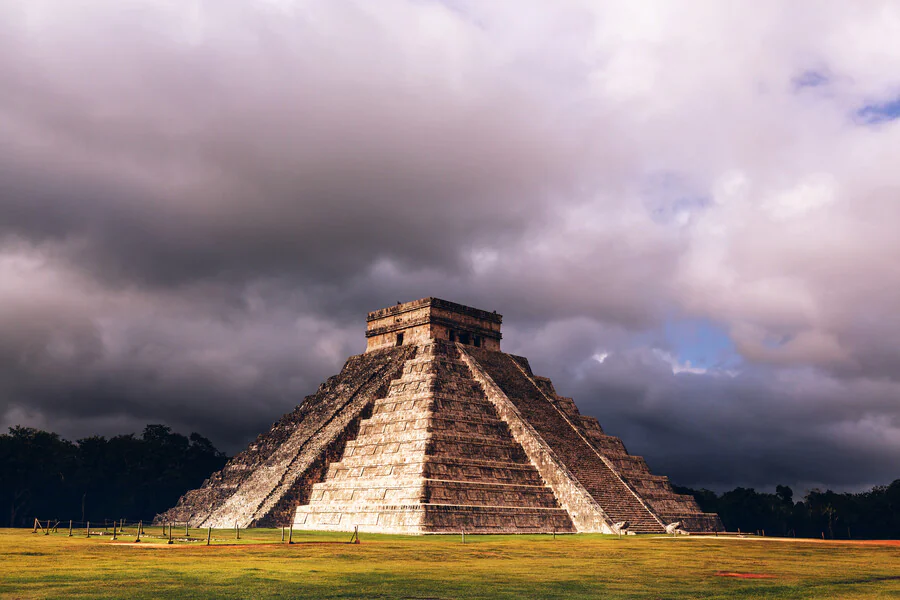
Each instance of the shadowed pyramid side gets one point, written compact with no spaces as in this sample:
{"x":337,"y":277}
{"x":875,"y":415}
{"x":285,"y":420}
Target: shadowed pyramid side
{"x":621,"y":484}
{"x":617,"y":499}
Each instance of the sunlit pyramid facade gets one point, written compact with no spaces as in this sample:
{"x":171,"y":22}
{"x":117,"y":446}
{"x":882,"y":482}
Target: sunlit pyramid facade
{"x":434,"y":429}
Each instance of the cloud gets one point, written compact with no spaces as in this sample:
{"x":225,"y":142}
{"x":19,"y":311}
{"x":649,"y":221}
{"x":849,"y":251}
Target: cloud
{"x":199,"y":202}
{"x":243,"y":140}
{"x":756,"y":427}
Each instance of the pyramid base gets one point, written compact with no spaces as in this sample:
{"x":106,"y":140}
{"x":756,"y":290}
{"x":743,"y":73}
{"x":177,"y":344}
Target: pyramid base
{"x":419,"y":519}
{"x":696,"y":522}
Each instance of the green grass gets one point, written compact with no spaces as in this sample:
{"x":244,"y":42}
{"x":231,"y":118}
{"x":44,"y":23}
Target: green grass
{"x":323,"y":565}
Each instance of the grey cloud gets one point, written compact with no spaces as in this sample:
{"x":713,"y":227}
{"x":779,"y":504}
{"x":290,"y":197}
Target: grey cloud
{"x":229,"y":377}
{"x":176,"y":161}
{"x":199,"y":203}
{"x":758,"y":428}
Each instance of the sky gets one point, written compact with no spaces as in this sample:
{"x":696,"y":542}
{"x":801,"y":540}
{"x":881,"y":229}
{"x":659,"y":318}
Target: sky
{"x":687,"y":211}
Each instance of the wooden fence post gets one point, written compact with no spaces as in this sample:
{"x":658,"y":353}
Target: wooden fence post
{"x":282,"y":532}
{"x":237,"y":530}
{"x":70,"y":527}
{"x":114,"y":530}
{"x":208,"y":535}
{"x":291,"y":534}
{"x":187,"y":530}
{"x":170,"y":533}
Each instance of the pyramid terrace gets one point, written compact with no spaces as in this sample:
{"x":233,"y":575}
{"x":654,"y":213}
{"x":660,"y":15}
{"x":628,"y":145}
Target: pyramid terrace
{"x":433,"y":430}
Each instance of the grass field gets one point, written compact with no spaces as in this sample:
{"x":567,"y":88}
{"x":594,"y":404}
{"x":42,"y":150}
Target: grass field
{"x":326,"y":566}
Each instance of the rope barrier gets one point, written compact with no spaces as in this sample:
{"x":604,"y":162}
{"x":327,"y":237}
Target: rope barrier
{"x":120,"y":530}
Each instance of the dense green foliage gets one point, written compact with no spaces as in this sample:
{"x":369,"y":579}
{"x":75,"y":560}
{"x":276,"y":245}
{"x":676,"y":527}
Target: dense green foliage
{"x":45,"y":476}
{"x":874,"y":514}
{"x":324,"y":565}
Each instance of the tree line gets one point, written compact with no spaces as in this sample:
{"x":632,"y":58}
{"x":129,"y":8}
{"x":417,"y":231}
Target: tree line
{"x":137,"y":477}
{"x":95,"y":478}
{"x":873,"y":514}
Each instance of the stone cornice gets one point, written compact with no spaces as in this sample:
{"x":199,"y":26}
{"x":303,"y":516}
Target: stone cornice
{"x":427,"y":319}
{"x":399,"y":309}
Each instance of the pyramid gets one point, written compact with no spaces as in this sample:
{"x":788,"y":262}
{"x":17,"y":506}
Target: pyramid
{"x":435,"y":430}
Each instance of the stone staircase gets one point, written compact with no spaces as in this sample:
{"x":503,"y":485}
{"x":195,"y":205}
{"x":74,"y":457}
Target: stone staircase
{"x":606,"y":486}
{"x":262,"y":485}
{"x":434,"y":457}
{"x":655,"y":490}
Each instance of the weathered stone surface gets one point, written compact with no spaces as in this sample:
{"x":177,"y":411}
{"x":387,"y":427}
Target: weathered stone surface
{"x":263,"y":484}
{"x":586,"y":514}
{"x":579,"y":441}
{"x":434,"y":429}
{"x":432,"y":319}
{"x":434,"y":457}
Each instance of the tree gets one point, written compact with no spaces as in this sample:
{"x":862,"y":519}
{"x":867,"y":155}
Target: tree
{"x":34,"y":466}
{"x":96,"y":478}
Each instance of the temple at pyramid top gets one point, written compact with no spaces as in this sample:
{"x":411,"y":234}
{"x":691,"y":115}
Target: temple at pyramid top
{"x":433,"y":430}
{"x":432,"y":319}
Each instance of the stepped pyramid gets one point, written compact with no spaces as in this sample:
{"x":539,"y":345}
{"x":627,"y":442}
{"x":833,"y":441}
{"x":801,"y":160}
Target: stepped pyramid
{"x":434,"y":429}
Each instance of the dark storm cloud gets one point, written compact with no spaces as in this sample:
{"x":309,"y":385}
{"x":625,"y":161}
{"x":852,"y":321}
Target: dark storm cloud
{"x":71,"y":364}
{"x":277,"y":153}
{"x":750,"y":429}
{"x":199,"y":202}
{"x":717,"y":427}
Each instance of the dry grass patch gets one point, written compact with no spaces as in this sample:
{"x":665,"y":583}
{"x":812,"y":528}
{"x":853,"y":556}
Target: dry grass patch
{"x":323,"y":565}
